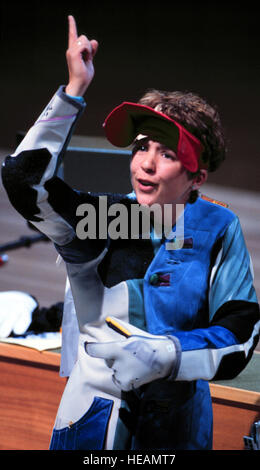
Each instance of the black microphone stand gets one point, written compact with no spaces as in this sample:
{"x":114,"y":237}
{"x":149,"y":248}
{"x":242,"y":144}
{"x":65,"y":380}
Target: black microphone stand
{"x":22,"y":242}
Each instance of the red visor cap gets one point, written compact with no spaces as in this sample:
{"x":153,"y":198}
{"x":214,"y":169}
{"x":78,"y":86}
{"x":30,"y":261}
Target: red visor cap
{"x":128,"y":120}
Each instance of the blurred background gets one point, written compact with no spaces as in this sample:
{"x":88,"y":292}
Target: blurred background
{"x":211,"y":48}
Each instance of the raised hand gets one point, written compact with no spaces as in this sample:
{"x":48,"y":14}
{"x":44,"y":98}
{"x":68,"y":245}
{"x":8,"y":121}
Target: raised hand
{"x":79,"y":55}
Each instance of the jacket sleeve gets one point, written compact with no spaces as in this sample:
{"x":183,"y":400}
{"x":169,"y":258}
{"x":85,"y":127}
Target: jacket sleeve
{"x":30,"y":178}
{"x":222,"y":350}
{"x":29,"y":174}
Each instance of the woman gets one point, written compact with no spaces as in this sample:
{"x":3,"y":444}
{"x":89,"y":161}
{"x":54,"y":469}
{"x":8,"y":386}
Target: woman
{"x":183,"y":316}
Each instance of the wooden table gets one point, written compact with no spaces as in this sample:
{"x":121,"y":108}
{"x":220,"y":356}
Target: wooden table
{"x":236,"y":406}
{"x":234,"y":412}
{"x":31,"y":388}
{"x":30,"y":391}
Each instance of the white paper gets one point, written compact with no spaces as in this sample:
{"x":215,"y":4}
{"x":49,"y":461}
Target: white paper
{"x":41,"y":342}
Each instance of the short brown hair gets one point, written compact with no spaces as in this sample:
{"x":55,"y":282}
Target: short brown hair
{"x":197,"y":116}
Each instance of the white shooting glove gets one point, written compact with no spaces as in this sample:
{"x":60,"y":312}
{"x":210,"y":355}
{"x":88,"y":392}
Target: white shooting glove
{"x":137,"y":359}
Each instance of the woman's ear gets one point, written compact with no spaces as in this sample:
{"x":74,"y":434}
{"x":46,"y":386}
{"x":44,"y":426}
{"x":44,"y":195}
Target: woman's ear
{"x":200,"y":179}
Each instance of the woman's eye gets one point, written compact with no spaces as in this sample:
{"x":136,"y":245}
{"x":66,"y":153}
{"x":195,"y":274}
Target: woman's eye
{"x":139,"y":148}
{"x":170,"y":156}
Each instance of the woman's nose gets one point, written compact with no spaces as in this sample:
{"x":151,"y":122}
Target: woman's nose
{"x":148,"y":163}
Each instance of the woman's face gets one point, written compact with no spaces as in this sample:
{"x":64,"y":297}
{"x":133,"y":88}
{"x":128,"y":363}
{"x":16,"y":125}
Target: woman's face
{"x":157,"y":175}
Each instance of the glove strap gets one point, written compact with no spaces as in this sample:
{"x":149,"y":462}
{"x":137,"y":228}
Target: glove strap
{"x":177,"y":362}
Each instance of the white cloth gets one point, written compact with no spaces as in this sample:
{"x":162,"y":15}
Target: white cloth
{"x":16,"y":309}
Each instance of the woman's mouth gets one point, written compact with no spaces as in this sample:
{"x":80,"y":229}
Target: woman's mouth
{"x":146,"y":185}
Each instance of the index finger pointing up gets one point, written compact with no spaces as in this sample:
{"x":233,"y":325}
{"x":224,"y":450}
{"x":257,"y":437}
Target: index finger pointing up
{"x":73,"y":33}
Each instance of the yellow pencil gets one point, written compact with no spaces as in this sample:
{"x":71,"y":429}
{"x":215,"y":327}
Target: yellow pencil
{"x":112,"y":323}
